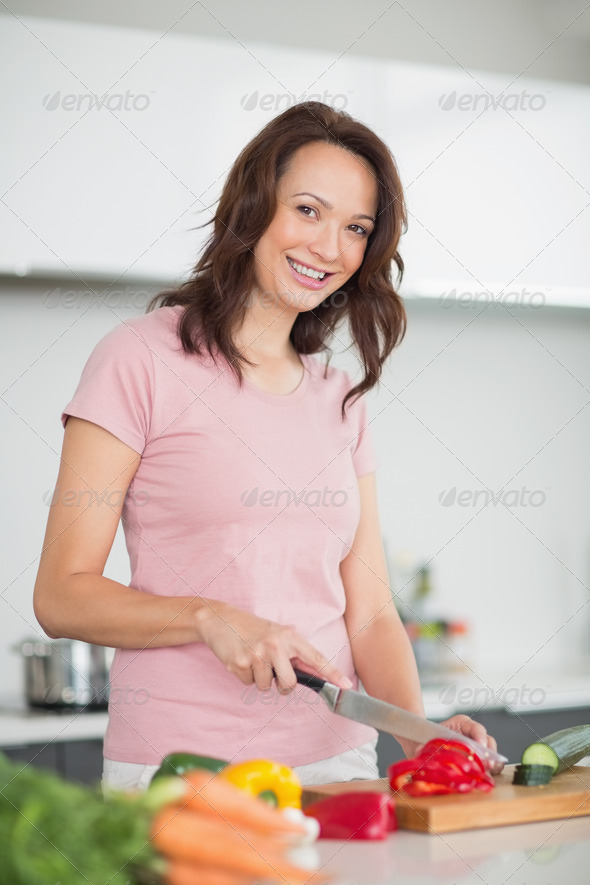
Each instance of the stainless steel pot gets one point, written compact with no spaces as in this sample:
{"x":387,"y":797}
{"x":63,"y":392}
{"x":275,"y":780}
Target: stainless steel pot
{"x":65,"y":673}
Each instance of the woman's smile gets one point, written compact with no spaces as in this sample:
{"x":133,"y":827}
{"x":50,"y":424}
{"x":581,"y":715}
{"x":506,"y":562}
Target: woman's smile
{"x":311,"y":277}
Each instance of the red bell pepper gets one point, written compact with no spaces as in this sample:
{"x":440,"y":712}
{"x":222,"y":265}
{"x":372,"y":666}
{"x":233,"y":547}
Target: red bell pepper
{"x":400,"y":772}
{"x":360,"y":815}
{"x":440,"y":767}
{"x":449,"y":744}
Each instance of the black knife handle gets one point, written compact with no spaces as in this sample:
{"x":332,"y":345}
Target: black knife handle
{"x":313,"y":682}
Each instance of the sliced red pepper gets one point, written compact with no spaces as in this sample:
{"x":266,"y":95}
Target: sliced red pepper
{"x":425,"y":788}
{"x":442,"y":744}
{"x":361,"y":815}
{"x":460,"y":783}
{"x":452,"y":784}
{"x":452,"y":762}
{"x":400,"y":772}
{"x":440,"y":768}
{"x":460,"y":747}
{"x":437,"y":772}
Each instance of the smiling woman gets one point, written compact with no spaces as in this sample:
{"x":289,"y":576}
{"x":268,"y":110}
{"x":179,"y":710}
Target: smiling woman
{"x":231,"y":585}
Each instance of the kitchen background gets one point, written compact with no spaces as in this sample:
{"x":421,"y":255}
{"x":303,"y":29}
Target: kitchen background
{"x":119,"y":127}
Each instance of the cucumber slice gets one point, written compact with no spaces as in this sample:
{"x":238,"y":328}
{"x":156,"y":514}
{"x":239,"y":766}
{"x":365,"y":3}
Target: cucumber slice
{"x":541,"y":754}
{"x":562,"y":749}
{"x":532,"y":775}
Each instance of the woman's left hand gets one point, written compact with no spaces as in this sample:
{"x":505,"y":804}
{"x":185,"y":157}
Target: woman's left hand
{"x":477,"y":732}
{"x":471,"y":729}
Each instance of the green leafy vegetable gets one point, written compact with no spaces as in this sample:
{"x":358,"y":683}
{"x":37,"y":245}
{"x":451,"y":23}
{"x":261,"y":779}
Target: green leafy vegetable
{"x":53,"y":831}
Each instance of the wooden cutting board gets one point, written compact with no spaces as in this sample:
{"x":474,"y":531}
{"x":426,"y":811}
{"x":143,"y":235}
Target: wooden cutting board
{"x":567,"y":795}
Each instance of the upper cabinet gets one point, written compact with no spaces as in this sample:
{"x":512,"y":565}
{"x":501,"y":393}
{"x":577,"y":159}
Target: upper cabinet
{"x":117,"y":143}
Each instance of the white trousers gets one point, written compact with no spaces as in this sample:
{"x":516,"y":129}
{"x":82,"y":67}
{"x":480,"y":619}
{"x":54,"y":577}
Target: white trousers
{"x":359,"y":763}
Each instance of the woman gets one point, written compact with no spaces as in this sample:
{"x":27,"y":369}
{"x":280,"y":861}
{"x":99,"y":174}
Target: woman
{"x":243,"y":472}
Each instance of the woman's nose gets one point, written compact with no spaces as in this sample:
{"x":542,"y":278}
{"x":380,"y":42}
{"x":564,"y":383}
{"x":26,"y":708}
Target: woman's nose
{"x":326,"y":243}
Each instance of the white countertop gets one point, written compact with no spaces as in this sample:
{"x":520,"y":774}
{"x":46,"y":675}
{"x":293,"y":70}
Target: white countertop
{"x":546,"y":853}
{"x":20,"y":726}
{"x":525,"y":692}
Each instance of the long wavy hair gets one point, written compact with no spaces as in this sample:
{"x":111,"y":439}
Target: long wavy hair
{"x":215,"y":297}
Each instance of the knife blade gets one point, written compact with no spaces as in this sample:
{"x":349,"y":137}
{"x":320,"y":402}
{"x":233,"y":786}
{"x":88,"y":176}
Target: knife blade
{"x":386,"y":717}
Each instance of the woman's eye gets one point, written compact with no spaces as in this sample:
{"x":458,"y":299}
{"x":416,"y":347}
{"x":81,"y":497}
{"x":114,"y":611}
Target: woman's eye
{"x":310,"y":212}
{"x":306,"y":210}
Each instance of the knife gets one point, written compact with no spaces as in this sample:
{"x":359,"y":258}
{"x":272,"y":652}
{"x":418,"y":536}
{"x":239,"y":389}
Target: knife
{"x":385,"y":717}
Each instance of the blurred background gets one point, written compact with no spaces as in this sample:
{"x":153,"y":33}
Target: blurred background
{"x":120,"y":123}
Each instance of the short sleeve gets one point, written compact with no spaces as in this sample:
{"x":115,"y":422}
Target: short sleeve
{"x":116,"y":387}
{"x":364,"y":456}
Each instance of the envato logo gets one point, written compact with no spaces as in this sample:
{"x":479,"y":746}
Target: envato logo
{"x":269,"y":298}
{"x":88,"y":695}
{"x":251,"y":695}
{"x":285,"y":497}
{"x":128,"y":695}
{"x":518,"y":298}
{"x":128,"y":298}
{"x":522,"y":497}
{"x":90,"y":101}
{"x":521,"y":696}
{"x":476,"y":101}
{"x":280,"y":101}
{"x":88,"y":497}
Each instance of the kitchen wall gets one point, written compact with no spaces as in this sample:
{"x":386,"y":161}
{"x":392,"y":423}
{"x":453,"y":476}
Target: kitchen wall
{"x":481,"y":420}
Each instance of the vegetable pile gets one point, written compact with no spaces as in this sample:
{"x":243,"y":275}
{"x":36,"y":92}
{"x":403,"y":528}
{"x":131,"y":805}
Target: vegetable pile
{"x":442,"y":766}
{"x":197,"y":829}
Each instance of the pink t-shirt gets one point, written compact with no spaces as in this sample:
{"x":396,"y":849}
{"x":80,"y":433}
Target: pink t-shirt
{"x":240,"y":495}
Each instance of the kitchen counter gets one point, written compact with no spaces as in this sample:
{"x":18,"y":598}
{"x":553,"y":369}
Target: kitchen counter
{"x":20,"y":726}
{"x":528,"y":691}
{"x":547,"y":853}
{"x":461,"y":693}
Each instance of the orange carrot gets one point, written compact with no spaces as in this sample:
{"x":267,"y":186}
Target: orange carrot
{"x":183,"y":873}
{"x":217,"y":798}
{"x":184,"y":835}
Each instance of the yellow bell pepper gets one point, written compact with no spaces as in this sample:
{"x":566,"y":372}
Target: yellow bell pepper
{"x":275,"y":783}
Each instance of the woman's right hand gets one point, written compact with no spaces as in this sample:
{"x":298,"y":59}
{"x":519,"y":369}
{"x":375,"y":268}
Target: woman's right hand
{"x":251,"y":648}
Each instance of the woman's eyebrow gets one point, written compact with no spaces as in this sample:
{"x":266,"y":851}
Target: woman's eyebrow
{"x":329,"y":206}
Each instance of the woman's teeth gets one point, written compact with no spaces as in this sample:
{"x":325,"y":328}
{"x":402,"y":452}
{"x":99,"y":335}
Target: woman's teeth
{"x":307,"y":271}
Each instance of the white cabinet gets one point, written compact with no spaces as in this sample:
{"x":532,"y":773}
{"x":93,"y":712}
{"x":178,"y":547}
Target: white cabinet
{"x":118,"y":142}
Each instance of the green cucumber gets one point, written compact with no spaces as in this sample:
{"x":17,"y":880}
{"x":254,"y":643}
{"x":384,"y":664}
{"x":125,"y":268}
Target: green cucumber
{"x":532,"y":775}
{"x":180,"y":763}
{"x":560,"y":750}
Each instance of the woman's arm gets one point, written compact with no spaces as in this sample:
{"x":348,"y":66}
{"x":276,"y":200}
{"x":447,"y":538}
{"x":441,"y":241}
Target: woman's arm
{"x":381,"y":649}
{"x":72,"y":598}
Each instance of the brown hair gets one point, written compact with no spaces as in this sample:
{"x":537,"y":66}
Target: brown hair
{"x":215,"y":296}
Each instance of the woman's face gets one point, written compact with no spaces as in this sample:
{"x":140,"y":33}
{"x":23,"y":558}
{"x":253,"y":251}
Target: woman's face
{"x":326,"y":208}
